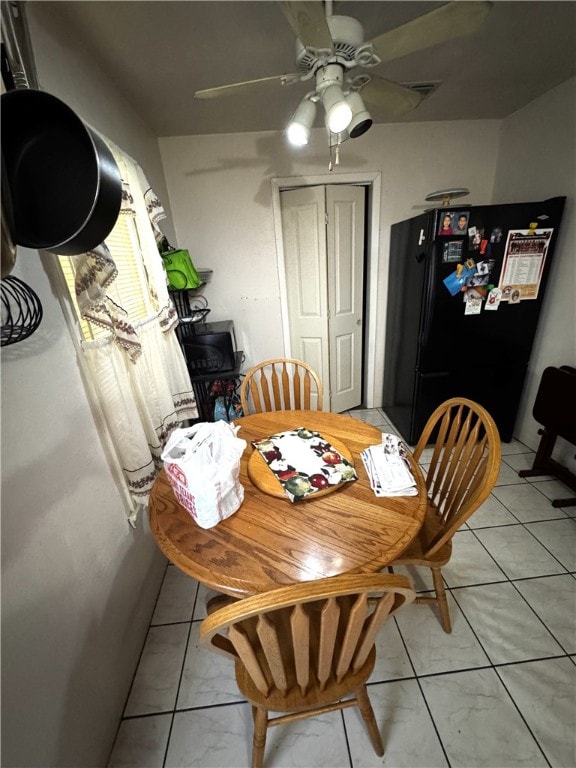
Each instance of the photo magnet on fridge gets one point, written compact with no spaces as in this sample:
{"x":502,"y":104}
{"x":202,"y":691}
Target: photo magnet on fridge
{"x":446,"y":220}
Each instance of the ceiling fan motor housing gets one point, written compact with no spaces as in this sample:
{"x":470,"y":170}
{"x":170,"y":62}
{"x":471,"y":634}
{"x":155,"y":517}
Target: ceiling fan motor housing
{"x":347,"y":36}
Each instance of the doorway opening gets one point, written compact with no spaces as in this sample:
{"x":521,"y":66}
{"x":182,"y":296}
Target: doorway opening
{"x":371,"y":186}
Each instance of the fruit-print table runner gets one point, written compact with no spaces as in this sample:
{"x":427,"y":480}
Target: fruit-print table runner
{"x":304,"y":462}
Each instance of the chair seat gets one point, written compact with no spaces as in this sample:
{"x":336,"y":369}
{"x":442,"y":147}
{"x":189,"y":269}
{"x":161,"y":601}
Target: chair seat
{"x":414,"y":554}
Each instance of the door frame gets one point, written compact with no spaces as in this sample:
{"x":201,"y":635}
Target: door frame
{"x":374,"y":182}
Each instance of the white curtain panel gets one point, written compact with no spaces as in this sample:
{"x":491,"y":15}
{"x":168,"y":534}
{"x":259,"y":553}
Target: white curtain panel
{"x":144,"y":390}
{"x":142,"y":402}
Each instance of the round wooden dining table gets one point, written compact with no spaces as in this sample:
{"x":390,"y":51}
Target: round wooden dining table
{"x":271,"y":541}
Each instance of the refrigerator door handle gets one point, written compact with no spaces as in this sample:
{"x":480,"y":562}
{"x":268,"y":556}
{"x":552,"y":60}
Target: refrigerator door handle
{"x":427,"y":298}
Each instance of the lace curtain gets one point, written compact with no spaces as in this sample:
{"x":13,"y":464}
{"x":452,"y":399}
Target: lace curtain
{"x":137,"y":368}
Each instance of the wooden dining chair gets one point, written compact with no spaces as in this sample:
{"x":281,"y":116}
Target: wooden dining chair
{"x":463,"y":469}
{"x":301,"y":649}
{"x":281,"y":384}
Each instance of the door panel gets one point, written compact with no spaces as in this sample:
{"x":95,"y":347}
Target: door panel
{"x":345,"y":236}
{"x":303,"y":225}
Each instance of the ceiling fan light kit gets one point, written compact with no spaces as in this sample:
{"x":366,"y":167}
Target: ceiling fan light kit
{"x":329,"y":48}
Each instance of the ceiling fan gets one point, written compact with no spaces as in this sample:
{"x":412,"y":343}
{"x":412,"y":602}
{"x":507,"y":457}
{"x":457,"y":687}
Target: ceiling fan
{"x":330,"y":50}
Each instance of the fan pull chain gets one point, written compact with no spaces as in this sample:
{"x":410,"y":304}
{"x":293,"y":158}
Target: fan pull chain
{"x":336,"y":157}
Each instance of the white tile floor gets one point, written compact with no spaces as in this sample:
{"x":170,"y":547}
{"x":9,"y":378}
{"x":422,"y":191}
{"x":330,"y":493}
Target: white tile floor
{"x":499,"y":691}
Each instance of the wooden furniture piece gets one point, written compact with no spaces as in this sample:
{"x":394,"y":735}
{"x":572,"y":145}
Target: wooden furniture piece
{"x":281,"y":384}
{"x":555,"y":409}
{"x":271,"y":542}
{"x":302,"y":649}
{"x":464,"y":467}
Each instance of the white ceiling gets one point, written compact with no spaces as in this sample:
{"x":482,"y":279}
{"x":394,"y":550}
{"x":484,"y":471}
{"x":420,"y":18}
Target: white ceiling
{"x":160,"y":53}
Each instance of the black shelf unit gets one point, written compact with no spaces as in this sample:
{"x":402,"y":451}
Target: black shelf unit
{"x":201,"y":383}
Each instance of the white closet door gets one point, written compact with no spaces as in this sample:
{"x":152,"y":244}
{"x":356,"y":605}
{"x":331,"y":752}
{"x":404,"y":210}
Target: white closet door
{"x":323,"y":235}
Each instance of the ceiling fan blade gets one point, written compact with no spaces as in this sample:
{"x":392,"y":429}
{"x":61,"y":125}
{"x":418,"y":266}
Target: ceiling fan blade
{"x":248,"y":86}
{"x":308,"y":21}
{"x":394,"y":97}
{"x":450,"y":21}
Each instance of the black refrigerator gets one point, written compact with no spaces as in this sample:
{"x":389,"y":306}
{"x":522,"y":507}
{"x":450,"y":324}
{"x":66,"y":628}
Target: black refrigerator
{"x":466,"y":286}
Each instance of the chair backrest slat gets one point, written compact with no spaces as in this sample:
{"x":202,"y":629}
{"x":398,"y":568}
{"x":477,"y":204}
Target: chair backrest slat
{"x":464,"y":466}
{"x":327,"y":642}
{"x":245,"y":650}
{"x":307,"y":390}
{"x":275,"y":383}
{"x":300,"y":626}
{"x":378,"y":617}
{"x":354,"y":626}
{"x":291,"y":389}
{"x":267,"y":632}
{"x":281,"y":384}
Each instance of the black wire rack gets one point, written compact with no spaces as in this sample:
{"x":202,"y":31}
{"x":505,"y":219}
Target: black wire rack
{"x":21,"y":310}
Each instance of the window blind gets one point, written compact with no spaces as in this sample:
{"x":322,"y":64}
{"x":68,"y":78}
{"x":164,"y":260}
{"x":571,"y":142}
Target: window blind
{"x":128,"y":290}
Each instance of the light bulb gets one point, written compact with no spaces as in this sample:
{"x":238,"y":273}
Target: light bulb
{"x":338,"y":112}
{"x":298,"y":130}
{"x":298,"y":134}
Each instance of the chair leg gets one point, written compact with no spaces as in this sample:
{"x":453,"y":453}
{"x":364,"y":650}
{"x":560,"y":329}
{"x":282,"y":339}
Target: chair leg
{"x":259,"y":741}
{"x":367,"y":713}
{"x":441,"y":599}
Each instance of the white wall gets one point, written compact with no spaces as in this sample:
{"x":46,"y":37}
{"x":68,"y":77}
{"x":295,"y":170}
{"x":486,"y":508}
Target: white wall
{"x":78,"y":583}
{"x":221,"y":200}
{"x":537,"y":161}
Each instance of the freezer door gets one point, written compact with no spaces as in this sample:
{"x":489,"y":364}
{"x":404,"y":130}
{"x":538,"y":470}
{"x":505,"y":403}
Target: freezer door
{"x":410,"y":242}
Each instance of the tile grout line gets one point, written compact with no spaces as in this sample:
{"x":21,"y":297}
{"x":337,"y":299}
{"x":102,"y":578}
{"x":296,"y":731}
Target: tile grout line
{"x":174,"y":709}
{"x":440,"y":741}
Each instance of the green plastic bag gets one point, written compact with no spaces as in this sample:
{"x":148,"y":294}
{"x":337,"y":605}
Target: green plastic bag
{"x":181,"y":271}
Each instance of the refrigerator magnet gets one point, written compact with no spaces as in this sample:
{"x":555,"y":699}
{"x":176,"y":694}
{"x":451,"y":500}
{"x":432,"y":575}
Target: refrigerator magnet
{"x":514,"y":296}
{"x":457,"y":280}
{"x":452,"y":251}
{"x":476,"y":280}
{"x":473,"y":304}
{"x":493,"y":299}
{"x":477,"y":238}
{"x":485,"y":267}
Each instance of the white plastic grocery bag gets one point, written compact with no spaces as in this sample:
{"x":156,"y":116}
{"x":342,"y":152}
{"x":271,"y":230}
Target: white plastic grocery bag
{"x":202,"y":463}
